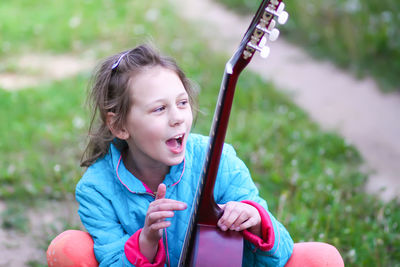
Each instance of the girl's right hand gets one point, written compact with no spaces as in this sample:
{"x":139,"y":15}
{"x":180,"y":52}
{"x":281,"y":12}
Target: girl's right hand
{"x":160,"y":209}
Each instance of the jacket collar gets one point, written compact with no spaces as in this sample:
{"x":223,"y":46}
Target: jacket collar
{"x":132,"y":183}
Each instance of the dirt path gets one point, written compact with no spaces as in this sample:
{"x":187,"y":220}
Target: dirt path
{"x":36,"y":69}
{"x":333,"y":98}
{"x":18,"y":249}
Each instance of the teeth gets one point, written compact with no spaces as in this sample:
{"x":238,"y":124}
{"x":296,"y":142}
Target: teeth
{"x":179,"y":136}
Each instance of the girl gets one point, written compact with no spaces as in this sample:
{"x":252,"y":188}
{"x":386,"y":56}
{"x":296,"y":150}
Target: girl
{"x":143,"y":166}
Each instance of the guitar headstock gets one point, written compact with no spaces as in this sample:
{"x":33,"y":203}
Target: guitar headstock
{"x":261,"y":30}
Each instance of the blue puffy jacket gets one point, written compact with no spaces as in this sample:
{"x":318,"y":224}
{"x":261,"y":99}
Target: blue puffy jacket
{"x":113,"y":204}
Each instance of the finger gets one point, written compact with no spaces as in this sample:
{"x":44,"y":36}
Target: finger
{"x":229,"y":209}
{"x":231,"y":219}
{"x":247,"y":224}
{"x":237,"y":225}
{"x":157,"y":216}
{"x":231,"y":213}
{"x":166,"y":205}
{"x":225,"y":215}
{"x":159,"y":225}
{"x":161,"y":190}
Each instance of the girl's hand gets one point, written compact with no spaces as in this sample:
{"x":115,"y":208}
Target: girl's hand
{"x":160,"y":209}
{"x":239,"y":216}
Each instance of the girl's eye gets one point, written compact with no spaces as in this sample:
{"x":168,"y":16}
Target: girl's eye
{"x":183,"y":103}
{"x":159,"y":109}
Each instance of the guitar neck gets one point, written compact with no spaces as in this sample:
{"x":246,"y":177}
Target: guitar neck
{"x":209,"y":212}
{"x":205,"y":210}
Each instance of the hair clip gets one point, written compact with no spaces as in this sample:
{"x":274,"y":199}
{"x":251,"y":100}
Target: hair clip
{"x":118,"y":61}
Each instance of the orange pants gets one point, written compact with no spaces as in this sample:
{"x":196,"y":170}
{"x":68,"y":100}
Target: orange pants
{"x":74,"y":248}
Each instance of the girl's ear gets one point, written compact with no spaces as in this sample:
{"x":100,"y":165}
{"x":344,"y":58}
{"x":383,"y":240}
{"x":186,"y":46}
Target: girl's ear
{"x":121,"y":133}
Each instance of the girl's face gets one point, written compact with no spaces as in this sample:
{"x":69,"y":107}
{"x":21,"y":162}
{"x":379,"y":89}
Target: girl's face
{"x":160,"y":118}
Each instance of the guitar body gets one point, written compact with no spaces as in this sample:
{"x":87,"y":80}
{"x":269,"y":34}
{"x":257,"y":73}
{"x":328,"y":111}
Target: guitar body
{"x":214,"y":247}
{"x":211,"y":245}
{"x":205,"y":244}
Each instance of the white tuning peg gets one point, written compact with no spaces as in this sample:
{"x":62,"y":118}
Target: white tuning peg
{"x":262,"y":42}
{"x":283,"y":17}
{"x":264,"y":52}
{"x":279,"y":12}
{"x":273,"y":35}
{"x":271,"y":25}
{"x":280,"y":8}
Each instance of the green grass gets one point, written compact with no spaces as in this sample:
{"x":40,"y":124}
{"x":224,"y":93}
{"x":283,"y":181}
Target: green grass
{"x":309,"y":177}
{"x":63,"y":26}
{"x":42,"y":132}
{"x":362,"y":36}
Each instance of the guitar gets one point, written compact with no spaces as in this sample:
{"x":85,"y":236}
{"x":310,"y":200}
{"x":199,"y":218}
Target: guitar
{"x":205,"y":244}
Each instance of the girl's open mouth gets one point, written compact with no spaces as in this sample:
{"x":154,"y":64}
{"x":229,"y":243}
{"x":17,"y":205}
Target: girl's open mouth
{"x":175,"y":144}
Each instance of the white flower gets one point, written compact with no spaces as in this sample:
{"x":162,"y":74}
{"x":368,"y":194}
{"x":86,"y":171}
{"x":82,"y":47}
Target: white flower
{"x":139,"y":29}
{"x":329,"y":172}
{"x":152,"y":14}
{"x":74,"y":22}
{"x":352,"y":6}
{"x":352,"y":253}
{"x":386,"y":16}
{"x":78,"y":122}
{"x":57,"y":168}
{"x":11,"y":169}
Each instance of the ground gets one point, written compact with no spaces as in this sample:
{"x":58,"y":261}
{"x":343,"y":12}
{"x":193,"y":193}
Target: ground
{"x":335,"y":99}
{"x":18,"y":249}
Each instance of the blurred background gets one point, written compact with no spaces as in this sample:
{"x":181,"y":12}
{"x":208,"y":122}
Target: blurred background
{"x":313,"y":176}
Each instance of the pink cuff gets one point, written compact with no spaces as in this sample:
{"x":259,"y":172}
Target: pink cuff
{"x":134,"y":256}
{"x":266,"y":242}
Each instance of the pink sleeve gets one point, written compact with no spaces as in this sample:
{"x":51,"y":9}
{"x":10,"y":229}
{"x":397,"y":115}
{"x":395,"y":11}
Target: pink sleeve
{"x":133,"y":254}
{"x":267,"y":230}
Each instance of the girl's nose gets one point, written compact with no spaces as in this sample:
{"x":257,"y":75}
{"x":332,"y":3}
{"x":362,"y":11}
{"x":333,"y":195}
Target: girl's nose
{"x":176,"y":116}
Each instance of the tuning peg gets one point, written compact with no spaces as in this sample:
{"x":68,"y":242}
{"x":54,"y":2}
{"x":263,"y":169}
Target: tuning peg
{"x":273,"y":35}
{"x":280,"y":8}
{"x":279,"y":12}
{"x":262,"y":42}
{"x":271,"y":25}
{"x":283,"y":17}
{"x":264,"y":52}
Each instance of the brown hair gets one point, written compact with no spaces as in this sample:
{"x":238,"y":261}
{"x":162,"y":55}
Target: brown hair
{"x":110,"y":93}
